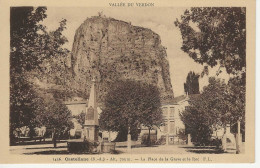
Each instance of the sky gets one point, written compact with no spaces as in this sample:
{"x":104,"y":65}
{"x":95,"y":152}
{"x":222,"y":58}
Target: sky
{"x":159,"y":19}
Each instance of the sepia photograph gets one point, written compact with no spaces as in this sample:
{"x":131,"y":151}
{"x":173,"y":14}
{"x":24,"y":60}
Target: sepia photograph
{"x":129,"y":79}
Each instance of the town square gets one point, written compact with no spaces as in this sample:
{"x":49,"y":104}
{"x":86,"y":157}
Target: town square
{"x":93,"y":81}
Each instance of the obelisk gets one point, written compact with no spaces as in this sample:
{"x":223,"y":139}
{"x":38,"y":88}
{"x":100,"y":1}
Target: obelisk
{"x":91,"y":126}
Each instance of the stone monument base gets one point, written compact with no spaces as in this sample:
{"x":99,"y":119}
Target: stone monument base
{"x":83,"y":146}
{"x":91,"y":132}
{"x":108,"y":147}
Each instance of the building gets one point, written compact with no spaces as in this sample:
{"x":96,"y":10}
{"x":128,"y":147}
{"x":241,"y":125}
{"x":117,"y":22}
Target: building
{"x":173,"y":127}
{"x":171,"y":132}
{"x":77,"y":106}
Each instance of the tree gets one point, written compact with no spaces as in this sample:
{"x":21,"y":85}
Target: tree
{"x":213,"y":109}
{"x":30,"y":46}
{"x":128,"y":104}
{"x":23,"y":25}
{"x":152,"y":116}
{"x":192,"y":83}
{"x":24,"y":105}
{"x":220,"y":38}
{"x":26,"y":42}
{"x":30,"y":43}
{"x":237,"y":92}
{"x":204,"y":111}
{"x":55,"y":116}
{"x":80,"y":118}
{"x":217,"y":35}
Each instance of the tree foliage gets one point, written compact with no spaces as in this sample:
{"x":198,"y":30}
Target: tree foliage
{"x":80,"y":118}
{"x":56,"y":117}
{"x":192,"y":83}
{"x":128,"y":104}
{"x":212,"y":36}
{"x":217,"y":106}
{"x":25,"y":38}
{"x":220,"y":38}
{"x":24,"y":105}
{"x":30,"y":45}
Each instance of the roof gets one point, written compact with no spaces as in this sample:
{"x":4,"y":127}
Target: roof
{"x":194,"y":96}
{"x":75,"y":102}
{"x":176,"y":100}
{"x":179,"y":98}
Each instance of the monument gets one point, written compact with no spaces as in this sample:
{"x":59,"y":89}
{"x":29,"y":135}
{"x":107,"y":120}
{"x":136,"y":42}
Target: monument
{"x":89,"y":142}
{"x":228,"y":139}
{"x":91,"y":126}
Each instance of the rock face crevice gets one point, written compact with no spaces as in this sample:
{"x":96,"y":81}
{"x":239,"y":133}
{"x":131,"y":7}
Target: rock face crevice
{"x":110,"y":50}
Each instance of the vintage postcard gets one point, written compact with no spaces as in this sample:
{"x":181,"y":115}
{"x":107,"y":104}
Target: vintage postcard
{"x":127,"y":81}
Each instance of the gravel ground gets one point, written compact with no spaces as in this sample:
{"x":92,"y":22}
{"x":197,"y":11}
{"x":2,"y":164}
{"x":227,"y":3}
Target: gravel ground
{"x":161,"y":149}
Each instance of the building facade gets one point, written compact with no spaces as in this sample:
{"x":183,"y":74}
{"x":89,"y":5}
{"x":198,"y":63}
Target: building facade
{"x":171,"y":131}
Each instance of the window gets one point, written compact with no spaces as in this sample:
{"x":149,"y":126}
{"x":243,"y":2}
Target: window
{"x":172,"y":110}
{"x":165,"y":127}
{"x":172,"y":127}
{"x":165,"y":112}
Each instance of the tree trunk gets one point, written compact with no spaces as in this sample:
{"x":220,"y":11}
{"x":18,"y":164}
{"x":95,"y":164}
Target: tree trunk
{"x":129,"y":140}
{"x":31,"y":132}
{"x":238,"y":139}
{"x":122,"y":135}
{"x":224,"y":140}
{"x":12,"y":137}
{"x":149,"y":137}
{"x":54,"y":138}
{"x":189,"y":140}
{"x":109,"y":137}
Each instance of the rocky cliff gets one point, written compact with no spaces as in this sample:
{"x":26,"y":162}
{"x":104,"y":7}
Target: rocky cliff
{"x":110,"y":49}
